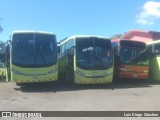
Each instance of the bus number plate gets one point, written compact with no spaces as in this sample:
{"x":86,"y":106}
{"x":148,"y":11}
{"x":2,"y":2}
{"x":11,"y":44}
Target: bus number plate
{"x":95,"y":79}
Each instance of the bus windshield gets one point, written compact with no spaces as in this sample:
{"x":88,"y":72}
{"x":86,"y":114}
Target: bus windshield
{"x":93,"y":53}
{"x":132,"y":52}
{"x":34,"y":50}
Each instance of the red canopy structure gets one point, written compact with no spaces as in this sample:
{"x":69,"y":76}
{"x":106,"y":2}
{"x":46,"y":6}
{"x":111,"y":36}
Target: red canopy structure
{"x":144,"y":36}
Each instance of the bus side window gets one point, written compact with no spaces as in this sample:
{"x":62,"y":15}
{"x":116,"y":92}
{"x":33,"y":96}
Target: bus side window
{"x":69,"y":46}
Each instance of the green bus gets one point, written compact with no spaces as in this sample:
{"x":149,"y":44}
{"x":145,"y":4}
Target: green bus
{"x":154,"y":60}
{"x":4,"y":67}
{"x":3,"y":73}
{"x":85,"y":59}
{"x":33,"y":57}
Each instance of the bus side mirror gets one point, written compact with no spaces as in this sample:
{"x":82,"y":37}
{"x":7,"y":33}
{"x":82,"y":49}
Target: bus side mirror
{"x":58,"y":47}
{"x":68,"y":52}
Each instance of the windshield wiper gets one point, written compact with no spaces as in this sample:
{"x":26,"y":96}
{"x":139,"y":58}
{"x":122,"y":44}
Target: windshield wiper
{"x":97,"y":58}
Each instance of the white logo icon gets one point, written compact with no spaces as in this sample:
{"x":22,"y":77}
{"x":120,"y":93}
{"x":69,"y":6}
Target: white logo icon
{"x":6,"y":114}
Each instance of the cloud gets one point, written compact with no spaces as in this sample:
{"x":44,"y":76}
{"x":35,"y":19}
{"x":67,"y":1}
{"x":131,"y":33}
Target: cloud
{"x":149,"y":13}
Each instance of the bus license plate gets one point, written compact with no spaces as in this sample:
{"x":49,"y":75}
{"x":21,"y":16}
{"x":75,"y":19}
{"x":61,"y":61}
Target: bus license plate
{"x":95,"y":79}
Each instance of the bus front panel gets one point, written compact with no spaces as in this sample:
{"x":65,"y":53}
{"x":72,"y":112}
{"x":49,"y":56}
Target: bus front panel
{"x":33,"y":52}
{"x":94,"y":61}
{"x":133,"y":60}
{"x":23,"y":75}
{"x":93,"y":76}
{"x":155,"y":62}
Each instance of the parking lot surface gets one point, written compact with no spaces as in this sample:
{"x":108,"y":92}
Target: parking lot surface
{"x":123,"y":96}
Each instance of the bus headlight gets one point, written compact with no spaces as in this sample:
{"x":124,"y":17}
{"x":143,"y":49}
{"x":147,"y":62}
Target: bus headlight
{"x":123,"y":69}
{"x":146,"y":71}
{"x":52,"y":71}
{"x":109,"y":73}
{"x":16,"y":72}
{"x":80,"y":73}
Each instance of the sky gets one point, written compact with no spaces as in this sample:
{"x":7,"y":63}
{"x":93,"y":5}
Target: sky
{"x":79,"y":17}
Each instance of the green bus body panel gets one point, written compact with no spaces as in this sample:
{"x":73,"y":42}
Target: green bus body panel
{"x":93,"y":76}
{"x":3,"y":74}
{"x":90,"y":76}
{"x":155,"y":68}
{"x":24,"y":75}
{"x":61,"y":69}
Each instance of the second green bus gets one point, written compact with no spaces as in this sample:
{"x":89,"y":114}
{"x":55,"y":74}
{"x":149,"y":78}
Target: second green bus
{"x":86,"y":60}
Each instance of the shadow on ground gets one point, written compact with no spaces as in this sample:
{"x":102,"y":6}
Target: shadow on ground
{"x":62,"y":86}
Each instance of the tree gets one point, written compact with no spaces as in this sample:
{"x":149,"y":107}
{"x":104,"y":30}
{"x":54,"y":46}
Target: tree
{"x":2,"y":47}
{"x":116,"y":36}
{"x":2,"y":43}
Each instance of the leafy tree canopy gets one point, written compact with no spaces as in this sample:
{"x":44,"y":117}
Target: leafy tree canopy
{"x":116,"y":36}
{"x":2,"y":47}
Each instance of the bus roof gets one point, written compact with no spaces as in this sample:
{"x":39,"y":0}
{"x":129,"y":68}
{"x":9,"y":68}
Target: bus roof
{"x":153,"y":42}
{"x":31,"y":31}
{"x":81,"y":36}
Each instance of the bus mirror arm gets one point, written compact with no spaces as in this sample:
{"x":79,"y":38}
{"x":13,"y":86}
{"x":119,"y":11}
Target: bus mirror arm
{"x":68,"y":51}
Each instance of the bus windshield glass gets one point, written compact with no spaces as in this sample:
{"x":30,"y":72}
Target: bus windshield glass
{"x":93,"y":53}
{"x":132,"y":52}
{"x":34,"y":50}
